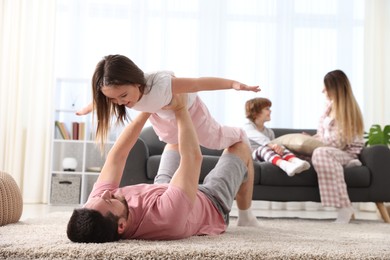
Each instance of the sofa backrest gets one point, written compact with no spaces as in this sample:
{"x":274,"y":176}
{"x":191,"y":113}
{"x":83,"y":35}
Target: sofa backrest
{"x":156,"y":146}
{"x":152,"y":141}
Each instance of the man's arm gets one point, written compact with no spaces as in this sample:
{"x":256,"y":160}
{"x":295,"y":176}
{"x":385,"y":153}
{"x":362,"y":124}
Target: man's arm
{"x":187,"y":175}
{"x":116,"y":159}
{"x":189,"y":85}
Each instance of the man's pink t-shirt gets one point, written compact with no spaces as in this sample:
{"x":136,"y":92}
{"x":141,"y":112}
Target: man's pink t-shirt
{"x":164,"y":212}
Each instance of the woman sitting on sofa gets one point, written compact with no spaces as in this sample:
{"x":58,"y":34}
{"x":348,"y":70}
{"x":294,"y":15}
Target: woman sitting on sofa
{"x":341,"y":130}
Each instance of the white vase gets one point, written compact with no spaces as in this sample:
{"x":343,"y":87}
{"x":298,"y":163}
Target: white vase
{"x":69,"y":164}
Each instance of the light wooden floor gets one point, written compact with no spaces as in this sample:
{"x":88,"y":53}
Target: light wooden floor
{"x":261,"y":209}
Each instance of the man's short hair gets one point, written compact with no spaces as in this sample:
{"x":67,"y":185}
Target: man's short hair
{"x":90,"y":226}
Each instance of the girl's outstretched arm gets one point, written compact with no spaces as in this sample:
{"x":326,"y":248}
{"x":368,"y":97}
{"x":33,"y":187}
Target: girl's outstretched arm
{"x":189,"y":85}
{"x":85,"y":110}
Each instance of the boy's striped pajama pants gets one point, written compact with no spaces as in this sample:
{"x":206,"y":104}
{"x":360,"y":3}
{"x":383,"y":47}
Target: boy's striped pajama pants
{"x":267,"y":154}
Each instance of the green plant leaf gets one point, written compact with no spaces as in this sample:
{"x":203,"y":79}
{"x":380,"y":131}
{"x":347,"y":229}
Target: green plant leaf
{"x":375,"y":136}
{"x":386,"y":134}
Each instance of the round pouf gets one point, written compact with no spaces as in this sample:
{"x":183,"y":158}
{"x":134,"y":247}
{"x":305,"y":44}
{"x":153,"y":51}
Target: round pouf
{"x":11,"y":202}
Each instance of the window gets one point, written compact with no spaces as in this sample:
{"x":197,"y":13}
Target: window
{"x":286,"y":47}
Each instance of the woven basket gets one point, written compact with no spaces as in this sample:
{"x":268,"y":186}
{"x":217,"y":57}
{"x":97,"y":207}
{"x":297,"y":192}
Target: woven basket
{"x":11,"y":202}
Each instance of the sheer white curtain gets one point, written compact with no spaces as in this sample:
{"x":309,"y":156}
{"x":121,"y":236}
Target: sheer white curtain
{"x":377,"y":63}
{"x":26,"y":82}
{"x":376,"y":67}
{"x":284,"y":46}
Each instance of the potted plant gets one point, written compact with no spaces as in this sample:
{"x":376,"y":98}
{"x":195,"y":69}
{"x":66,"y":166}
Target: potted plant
{"x":378,"y":136}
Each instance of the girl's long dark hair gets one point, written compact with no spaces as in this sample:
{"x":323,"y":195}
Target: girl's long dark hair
{"x":113,"y":71}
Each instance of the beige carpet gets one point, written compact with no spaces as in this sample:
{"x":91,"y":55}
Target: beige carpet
{"x":45,"y":238}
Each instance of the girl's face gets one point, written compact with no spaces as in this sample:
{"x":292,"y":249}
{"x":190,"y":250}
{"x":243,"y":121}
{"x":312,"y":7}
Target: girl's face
{"x":126,"y":95}
{"x":264,"y":115}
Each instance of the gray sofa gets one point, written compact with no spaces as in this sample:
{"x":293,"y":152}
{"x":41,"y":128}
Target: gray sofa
{"x":367,"y":183}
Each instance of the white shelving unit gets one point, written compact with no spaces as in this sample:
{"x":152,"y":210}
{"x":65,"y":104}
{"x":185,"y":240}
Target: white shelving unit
{"x":73,"y":187}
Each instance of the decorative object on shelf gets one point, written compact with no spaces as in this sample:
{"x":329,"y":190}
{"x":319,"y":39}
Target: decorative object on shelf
{"x":63,"y":130}
{"x":94,"y":169}
{"x":11,"y":202}
{"x":378,"y":136}
{"x":77,"y":131}
{"x":69,"y":164}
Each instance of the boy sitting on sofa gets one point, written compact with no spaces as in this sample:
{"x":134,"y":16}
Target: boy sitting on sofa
{"x":258,"y":112}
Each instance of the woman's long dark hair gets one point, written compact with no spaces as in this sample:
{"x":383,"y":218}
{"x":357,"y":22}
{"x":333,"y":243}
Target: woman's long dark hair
{"x":345,"y":107}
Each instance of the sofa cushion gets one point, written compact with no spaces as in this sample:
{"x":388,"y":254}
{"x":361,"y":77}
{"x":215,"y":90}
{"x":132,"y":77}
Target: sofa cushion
{"x":272,"y":175}
{"x":359,"y":176}
{"x":299,"y":143}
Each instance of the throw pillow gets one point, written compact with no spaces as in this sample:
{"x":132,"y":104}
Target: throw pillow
{"x":299,"y":143}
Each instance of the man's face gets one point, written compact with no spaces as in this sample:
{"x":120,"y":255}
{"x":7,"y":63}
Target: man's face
{"x":109,"y":202}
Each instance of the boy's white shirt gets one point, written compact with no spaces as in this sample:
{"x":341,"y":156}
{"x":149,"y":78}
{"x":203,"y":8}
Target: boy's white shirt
{"x":158,"y":93}
{"x":257,"y":136}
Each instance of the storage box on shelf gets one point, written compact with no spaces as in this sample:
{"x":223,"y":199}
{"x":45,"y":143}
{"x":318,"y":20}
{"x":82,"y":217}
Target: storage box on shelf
{"x":76,"y":159}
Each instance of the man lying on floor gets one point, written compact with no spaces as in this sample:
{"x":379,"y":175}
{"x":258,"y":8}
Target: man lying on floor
{"x":175,"y":206}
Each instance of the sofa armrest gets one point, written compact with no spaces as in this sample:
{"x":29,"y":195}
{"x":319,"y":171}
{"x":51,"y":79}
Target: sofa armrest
{"x":377,"y":159}
{"x":135,"y":168}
